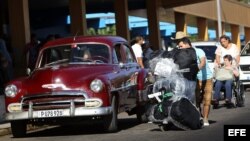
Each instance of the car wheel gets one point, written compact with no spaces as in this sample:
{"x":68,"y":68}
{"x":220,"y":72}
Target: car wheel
{"x":240,"y":101}
{"x":111,"y":121}
{"x":18,"y":128}
{"x":234,"y":100}
{"x":240,"y":97}
{"x":141,"y":114}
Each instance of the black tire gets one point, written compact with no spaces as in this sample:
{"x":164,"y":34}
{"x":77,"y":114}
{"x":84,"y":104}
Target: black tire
{"x":141,"y":114}
{"x":166,"y":127}
{"x":240,"y":97}
{"x":18,"y":128}
{"x":234,"y":100}
{"x":111,"y":121}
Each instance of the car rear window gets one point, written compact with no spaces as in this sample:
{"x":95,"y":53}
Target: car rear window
{"x":209,"y":51}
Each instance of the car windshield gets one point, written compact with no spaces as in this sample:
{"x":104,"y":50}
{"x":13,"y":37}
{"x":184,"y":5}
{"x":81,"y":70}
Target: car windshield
{"x":74,"y":54}
{"x":246,"y":50}
{"x":209,"y":51}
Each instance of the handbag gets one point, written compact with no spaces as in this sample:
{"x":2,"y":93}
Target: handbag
{"x":223,"y":74}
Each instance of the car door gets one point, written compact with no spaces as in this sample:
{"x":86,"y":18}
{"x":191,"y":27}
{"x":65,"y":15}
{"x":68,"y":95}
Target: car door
{"x":244,"y":68}
{"x":132,"y":70}
{"x":118,"y":77}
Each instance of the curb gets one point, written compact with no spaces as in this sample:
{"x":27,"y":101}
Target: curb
{"x":5,"y":128}
{"x":4,"y":132}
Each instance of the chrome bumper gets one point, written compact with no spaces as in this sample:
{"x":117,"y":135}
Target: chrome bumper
{"x":245,"y":82}
{"x":143,"y":94}
{"x":73,"y":112}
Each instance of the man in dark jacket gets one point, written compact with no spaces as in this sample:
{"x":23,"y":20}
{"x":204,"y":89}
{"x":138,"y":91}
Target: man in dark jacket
{"x":185,"y":57}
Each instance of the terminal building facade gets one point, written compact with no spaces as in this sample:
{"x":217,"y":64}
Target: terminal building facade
{"x":18,"y":19}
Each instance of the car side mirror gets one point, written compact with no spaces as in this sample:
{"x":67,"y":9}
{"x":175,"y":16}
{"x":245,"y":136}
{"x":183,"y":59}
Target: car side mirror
{"x":28,"y":71}
{"x":121,"y":65}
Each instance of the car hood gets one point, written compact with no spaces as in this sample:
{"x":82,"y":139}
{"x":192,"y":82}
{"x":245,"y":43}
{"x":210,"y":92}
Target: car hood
{"x":244,"y":60}
{"x":68,"y":77}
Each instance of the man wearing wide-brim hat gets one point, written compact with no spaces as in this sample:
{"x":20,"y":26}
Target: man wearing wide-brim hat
{"x":179,"y":35}
{"x":185,"y":57}
{"x":204,"y":76}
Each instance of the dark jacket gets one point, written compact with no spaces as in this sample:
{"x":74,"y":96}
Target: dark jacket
{"x":185,"y":58}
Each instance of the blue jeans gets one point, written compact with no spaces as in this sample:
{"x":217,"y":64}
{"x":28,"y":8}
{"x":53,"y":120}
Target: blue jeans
{"x":227,"y":84}
{"x":190,"y":91}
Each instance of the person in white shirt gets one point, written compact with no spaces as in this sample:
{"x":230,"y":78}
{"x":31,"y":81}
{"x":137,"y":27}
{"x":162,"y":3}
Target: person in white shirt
{"x":227,"y":47}
{"x":137,"y":49}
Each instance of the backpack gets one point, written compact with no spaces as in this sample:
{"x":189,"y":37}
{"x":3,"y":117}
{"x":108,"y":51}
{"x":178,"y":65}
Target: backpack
{"x":185,"y":58}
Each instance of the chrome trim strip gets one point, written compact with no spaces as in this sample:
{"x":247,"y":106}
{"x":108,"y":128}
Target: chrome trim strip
{"x":122,"y":88}
{"x":60,"y":93}
{"x":71,"y":93}
{"x":246,"y":83}
{"x":72,"y":108}
{"x":56,"y":102}
{"x":80,"y":111}
{"x":30,"y":111}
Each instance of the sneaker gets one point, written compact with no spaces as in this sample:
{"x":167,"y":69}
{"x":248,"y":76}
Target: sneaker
{"x":205,"y":122}
{"x":229,"y":104}
{"x":215,"y":104}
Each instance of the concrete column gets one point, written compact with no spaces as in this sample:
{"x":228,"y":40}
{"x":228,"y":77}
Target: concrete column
{"x":121,"y":18}
{"x":180,"y":22}
{"x":153,"y":23}
{"x":216,"y":30}
{"x":202,"y":29}
{"x":235,"y":31}
{"x":222,"y":28}
{"x":247,"y":34}
{"x":3,"y":9}
{"x":19,"y":32}
{"x":77,"y":9}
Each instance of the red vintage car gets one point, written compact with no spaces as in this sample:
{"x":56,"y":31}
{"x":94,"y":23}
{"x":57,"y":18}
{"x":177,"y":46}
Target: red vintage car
{"x":78,"y":79}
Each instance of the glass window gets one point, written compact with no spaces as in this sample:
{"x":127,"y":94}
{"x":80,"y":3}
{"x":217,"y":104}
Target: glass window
{"x":246,"y":50}
{"x":209,"y":51}
{"x":129,"y":56}
{"x":55,"y":55}
{"x":92,"y":53}
{"x":117,"y":57}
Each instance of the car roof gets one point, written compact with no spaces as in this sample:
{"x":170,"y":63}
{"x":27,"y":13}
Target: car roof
{"x":109,"y":40}
{"x":205,"y":43}
{"x":208,"y":47}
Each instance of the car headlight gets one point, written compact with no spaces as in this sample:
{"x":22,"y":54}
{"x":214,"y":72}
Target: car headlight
{"x":11,"y":91}
{"x":96,"y":85}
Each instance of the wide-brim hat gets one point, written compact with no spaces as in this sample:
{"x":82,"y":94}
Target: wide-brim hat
{"x":179,"y":35}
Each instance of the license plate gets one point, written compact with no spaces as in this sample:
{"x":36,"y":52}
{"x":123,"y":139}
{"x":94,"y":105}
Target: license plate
{"x":50,"y":113}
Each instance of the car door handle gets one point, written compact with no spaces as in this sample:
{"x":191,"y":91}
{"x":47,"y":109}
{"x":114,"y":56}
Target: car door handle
{"x":129,"y":67}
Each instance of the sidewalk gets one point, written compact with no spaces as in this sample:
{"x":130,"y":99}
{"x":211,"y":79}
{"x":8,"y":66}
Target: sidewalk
{"x":4,"y":126}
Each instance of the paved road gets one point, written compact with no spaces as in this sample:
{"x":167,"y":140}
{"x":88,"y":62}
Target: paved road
{"x":2,"y":107}
{"x":130,"y":130}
